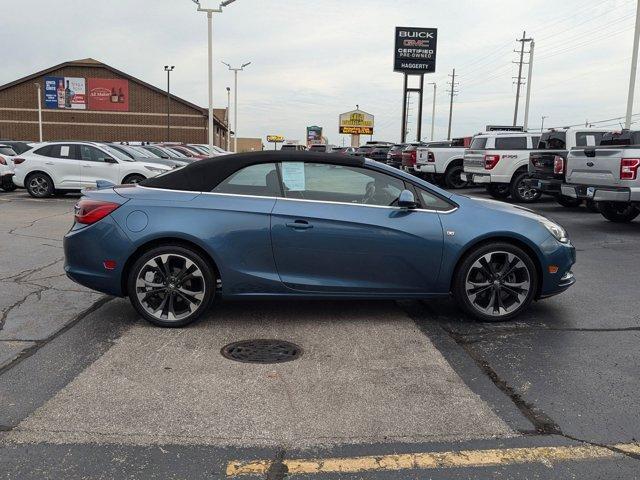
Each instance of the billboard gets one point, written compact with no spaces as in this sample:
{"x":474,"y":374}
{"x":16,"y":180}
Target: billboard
{"x":65,"y":93}
{"x":275,"y":138}
{"x":314,"y":135}
{"x":110,"y":94}
{"x":415,"y":50}
{"x":356,"y":122}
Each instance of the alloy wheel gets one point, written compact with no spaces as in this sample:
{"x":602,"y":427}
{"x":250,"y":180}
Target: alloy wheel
{"x":39,"y":186}
{"x":498,"y":283}
{"x":170,"y":287}
{"x":527,"y":193}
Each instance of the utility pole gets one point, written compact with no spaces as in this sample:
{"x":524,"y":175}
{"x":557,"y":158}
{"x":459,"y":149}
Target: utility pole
{"x":433,"y":109}
{"x":634,"y":66}
{"x":530,"y":74}
{"x":168,"y":69}
{"x":522,"y":42}
{"x":452,"y":92}
{"x":542,"y":123}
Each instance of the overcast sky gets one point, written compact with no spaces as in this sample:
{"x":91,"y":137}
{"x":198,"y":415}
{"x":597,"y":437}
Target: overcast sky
{"x":312,"y":60}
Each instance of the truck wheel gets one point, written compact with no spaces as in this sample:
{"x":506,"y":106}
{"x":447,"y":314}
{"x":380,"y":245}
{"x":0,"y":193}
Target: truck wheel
{"x":452,"y":177}
{"x":592,"y":206}
{"x":618,"y":212}
{"x":521,"y":192}
{"x":498,"y":190}
{"x":568,"y":202}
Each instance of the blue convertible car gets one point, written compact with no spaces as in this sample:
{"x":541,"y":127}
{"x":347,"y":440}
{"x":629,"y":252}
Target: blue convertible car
{"x":309,"y":225}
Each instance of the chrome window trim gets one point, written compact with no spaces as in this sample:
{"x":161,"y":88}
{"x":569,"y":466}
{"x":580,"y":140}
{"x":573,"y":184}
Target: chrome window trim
{"x":193,"y":192}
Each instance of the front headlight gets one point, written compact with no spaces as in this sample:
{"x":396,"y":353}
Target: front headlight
{"x":155,"y":169}
{"x":556,"y":230}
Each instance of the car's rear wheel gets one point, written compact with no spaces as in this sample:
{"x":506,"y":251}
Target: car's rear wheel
{"x":39,"y":185}
{"x":452,"y":178}
{"x":498,"y":190}
{"x":521,"y":192}
{"x":618,"y":212}
{"x":495,"y":282}
{"x":133,"y":178}
{"x":171,"y":286}
{"x":568,"y":202}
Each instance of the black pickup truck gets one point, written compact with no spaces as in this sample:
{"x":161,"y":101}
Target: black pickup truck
{"x":547,"y":163}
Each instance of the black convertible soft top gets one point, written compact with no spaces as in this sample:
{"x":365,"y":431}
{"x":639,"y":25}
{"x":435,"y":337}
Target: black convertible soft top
{"x":204,"y":175}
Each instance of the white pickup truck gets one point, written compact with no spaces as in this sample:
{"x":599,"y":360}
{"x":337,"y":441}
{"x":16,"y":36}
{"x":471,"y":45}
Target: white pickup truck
{"x":607,"y":174}
{"x":500,"y":160}
{"x":443,"y":161}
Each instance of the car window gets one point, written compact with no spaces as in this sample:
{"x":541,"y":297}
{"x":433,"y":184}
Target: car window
{"x":432,"y":202}
{"x":91,"y":154}
{"x":339,"y":183}
{"x":534,"y":142}
{"x":62,"y":151}
{"x":478,"y":143}
{"x":511,"y":143}
{"x":44,"y":151}
{"x":115,"y":153}
{"x":7,"y":151}
{"x":258,"y":180}
{"x":588,"y":139}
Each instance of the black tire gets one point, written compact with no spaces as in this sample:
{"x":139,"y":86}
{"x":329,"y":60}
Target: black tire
{"x":183,"y":290}
{"x":452,"y":177}
{"x":39,"y":185}
{"x":522,"y":193}
{"x":618,"y":212}
{"x":592,"y":206}
{"x":8,"y":185}
{"x":525,"y":269}
{"x":498,"y":190}
{"x":133,"y":178}
{"x":568,"y":202}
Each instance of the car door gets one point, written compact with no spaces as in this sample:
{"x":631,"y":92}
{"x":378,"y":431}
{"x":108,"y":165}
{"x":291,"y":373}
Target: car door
{"x":61,"y":162}
{"x":336,"y":230}
{"x":95,"y":168}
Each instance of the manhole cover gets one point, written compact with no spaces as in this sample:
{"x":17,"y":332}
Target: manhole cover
{"x":261,"y":351}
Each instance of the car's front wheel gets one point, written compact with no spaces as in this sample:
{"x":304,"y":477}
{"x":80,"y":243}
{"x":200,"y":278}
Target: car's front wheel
{"x":171,"y":286}
{"x":618,"y":212}
{"x":495,"y":282}
{"x":133,"y":178}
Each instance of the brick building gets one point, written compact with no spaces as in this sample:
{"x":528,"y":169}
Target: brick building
{"x":101,"y":103}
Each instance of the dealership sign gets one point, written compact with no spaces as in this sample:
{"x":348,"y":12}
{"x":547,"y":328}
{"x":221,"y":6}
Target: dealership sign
{"x":415,"y":51}
{"x":356,"y":122}
{"x":275,"y":138}
{"x":76,"y":93}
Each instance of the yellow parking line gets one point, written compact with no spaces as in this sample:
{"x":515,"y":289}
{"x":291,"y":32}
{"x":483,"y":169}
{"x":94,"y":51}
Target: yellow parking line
{"x":463,"y":458}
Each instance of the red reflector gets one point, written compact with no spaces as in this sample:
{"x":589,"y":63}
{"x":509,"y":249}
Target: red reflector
{"x":90,"y":211}
{"x":558,"y":165}
{"x":18,"y":161}
{"x":629,"y":168}
{"x":491,"y":161}
{"x":109,"y":264}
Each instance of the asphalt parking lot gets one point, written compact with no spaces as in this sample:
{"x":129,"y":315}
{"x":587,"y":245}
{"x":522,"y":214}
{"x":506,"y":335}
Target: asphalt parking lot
{"x":382,"y":389}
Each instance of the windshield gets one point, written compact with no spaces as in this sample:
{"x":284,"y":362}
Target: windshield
{"x":8,"y":151}
{"x":553,"y":141}
{"x":117,"y":153}
{"x":136,"y":153}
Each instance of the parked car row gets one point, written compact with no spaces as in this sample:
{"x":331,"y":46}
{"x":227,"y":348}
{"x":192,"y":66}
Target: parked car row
{"x":58,"y":167}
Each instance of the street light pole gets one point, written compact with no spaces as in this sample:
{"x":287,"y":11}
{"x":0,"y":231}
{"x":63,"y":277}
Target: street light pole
{"x":634,"y":66}
{"x":39,"y":111}
{"x":235,"y":101}
{"x":542,"y":124}
{"x":210,"y":12}
{"x":168,"y":69}
{"x":433,"y":109}
{"x":228,"y":117}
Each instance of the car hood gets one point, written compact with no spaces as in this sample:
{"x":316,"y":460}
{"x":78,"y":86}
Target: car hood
{"x":497,"y":206}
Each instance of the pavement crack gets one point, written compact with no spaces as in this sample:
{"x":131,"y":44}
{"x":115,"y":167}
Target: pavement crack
{"x":613,"y":448}
{"x":5,"y":312}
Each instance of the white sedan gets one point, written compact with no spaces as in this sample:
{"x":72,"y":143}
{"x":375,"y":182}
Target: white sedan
{"x":72,"y":166}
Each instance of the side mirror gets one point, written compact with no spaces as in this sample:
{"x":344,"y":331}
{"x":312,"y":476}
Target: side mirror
{"x":407,"y":200}
{"x":109,"y":160}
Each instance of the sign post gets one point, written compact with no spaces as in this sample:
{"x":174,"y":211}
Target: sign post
{"x":275,"y":139}
{"x":415,"y":54}
{"x":356,"y":123}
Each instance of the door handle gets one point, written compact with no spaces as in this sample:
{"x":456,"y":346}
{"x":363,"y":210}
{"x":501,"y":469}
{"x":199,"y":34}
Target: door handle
{"x":86,"y":166}
{"x":299,"y":225}
{"x":48,"y":163}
